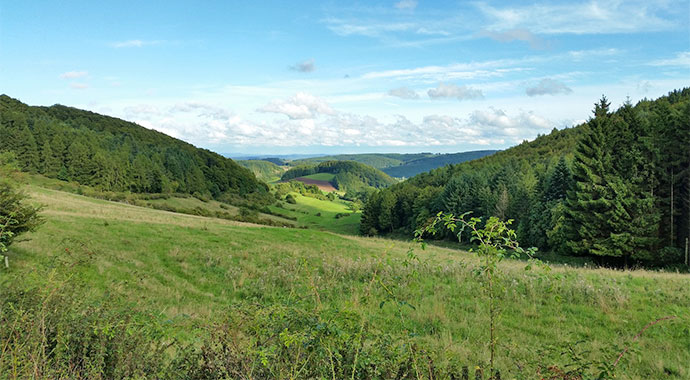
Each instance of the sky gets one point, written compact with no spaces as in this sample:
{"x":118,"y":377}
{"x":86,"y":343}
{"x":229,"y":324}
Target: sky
{"x":304,"y":77}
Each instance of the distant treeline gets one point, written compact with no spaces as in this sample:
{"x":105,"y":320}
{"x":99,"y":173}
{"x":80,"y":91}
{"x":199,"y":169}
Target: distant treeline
{"x":114,"y":155}
{"x":349,"y":175}
{"x":616,"y":187}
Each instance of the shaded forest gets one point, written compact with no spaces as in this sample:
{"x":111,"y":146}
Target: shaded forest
{"x":115,"y":155}
{"x":616,"y":188}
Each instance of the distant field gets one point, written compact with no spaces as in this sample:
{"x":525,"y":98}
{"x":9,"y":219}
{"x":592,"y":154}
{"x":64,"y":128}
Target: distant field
{"x":307,"y":208}
{"x":324,"y":185}
{"x":187,"y":271}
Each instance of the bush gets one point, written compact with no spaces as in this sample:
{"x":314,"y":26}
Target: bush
{"x":16,"y":217}
{"x":290,"y":199}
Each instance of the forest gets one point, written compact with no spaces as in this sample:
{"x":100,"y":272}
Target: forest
{"x":349,"y":175}
{"x":114,"y":155}
{"x":616,"y":188}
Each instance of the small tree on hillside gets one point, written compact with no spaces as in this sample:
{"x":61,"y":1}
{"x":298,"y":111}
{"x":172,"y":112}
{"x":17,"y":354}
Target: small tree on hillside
{"x":16,"y":217}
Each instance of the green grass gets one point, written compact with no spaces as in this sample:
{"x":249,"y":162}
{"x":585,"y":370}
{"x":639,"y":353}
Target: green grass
{"x":319,"y":214}
{"x":328,"y":177}
{"x":188,"y":270}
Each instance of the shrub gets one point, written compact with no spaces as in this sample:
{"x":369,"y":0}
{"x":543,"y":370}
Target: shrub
{"x":16,"y":217}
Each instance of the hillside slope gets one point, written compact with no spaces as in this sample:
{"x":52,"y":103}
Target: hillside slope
{"x":616,"y":187}
{"x":116,"y":155}
{"x":266,"y":171}
{"x":411,"y":168}
{"x":189,"y":278}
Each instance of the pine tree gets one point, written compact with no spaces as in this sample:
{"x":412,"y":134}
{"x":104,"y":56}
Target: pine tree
{"x":588,"y":204}
{"x":559,"y":182}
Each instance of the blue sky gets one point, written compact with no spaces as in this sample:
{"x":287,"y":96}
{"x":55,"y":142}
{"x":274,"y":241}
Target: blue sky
{"x":331,"y":77}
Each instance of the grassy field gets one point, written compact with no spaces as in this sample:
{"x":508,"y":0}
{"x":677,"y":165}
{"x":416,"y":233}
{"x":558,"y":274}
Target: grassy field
{"x":320,"y":214}
{"x":189,"y":271}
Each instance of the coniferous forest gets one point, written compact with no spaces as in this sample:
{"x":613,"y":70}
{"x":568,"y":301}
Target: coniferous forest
{"x":114,"y":155}
{"x":616,"y":188}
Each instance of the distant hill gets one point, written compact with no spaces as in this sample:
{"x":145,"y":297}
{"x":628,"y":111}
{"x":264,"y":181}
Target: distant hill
{"x":347,"y":175}
{"x":401,"y":165}
{"x":115,"y":155}
{"x":264,"y":170}
{"x":413,"y":167}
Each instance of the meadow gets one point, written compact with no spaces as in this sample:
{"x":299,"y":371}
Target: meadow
{"x":322,"y":303}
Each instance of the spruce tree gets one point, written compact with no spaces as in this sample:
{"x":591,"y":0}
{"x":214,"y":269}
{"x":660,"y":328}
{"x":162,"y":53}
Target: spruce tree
{"x":587,"y":205}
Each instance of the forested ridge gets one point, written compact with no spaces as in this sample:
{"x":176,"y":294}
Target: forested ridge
{"x":111,"y":154}
{"x":349,"y":175}
{"x":400,"y":164}
{"x":616,"y":187}
{"x":424,"y":164}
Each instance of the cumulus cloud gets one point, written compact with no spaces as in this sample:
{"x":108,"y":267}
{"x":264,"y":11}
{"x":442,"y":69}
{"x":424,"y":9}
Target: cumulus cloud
{"x":406,"y":4}
{"x":205,"y":123}
{"x":300,"y":106}
{"x":79,"y":86}
{"x":304,"y":66}
{"x":454,"y":91}
{"x":548,"y":86}
{"x":517,"y":34}
{"x":403,"y":92}
{"x":74,"y":74}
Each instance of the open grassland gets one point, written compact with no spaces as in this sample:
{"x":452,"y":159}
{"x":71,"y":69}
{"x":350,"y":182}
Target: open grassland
{"x":333,"y":216}
{"x":191,"y":271}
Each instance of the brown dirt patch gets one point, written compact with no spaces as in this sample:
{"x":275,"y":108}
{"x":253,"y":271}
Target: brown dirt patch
{"x":323,"y":185}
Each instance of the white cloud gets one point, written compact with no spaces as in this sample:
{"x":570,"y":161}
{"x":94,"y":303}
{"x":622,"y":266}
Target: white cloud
{"x":454,"y":91}
{"x":592,"y":17}
{"x":300,"y":106}
{"x":681,"y":59}
{"x":406,"y":4}
{"x":548,"y":86}
{"x":79,"y":86}
{"x":74,"y":74}
{"x":404,"y":93}
{"x":304,"y":66}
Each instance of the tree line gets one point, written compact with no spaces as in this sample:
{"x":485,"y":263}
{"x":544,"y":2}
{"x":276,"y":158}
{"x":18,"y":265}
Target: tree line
{"x":114,"y":155}
{"x":615,"y":188}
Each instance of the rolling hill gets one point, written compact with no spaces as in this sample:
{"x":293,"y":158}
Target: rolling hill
{"x":412,"y":167}
{"x":115,"y":155}
{"x":400,"y":165}
{"x":343,"y":175}
{"x":141,"y":293}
